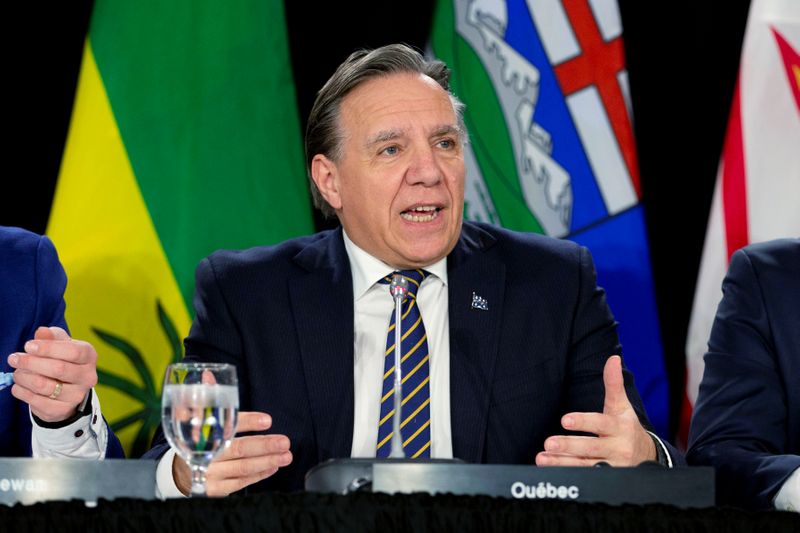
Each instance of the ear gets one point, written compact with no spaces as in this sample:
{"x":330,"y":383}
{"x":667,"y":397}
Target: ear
{"x":326,"y":176}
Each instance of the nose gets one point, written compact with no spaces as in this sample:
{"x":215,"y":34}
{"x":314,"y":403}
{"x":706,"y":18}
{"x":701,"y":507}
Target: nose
{"x":424,"y":168}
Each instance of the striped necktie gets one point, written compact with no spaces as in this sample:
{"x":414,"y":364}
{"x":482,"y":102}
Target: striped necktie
{"x":415,"y":425}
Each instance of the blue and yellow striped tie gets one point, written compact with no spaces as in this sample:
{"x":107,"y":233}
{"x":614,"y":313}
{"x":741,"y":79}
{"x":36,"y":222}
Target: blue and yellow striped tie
{"x":415,"y":409}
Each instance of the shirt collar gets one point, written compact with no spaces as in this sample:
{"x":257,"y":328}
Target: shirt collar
{"x":367,"y":270}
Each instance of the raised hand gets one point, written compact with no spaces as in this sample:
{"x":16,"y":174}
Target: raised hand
{"x":621,"y":440}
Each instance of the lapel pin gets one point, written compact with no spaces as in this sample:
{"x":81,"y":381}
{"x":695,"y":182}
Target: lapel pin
{"x":479,"y":302}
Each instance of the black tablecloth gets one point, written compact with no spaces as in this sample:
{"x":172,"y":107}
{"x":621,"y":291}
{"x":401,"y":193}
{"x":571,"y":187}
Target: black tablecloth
{"x":380,"y":513}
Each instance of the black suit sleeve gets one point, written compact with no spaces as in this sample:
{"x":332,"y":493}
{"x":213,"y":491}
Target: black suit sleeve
{"x":741,"y":418}
{"x":215,"y":336}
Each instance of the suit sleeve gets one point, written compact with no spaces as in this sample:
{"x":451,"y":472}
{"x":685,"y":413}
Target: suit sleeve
{"x":740,"y":418}
{"x":51,"y":281}
{"x":214,"y":336}
{"x":593,"y":340}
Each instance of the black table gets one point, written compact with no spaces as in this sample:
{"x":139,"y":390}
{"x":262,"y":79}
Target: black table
{"x":380,"y":513}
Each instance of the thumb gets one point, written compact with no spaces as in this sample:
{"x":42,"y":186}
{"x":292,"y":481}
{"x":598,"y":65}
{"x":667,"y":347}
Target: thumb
{"x":616,"y":400}
{"x":207,"y":378}
{"x":53,"y":333}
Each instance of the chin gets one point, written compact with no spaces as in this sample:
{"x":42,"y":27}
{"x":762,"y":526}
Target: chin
{"x":423,"y":250}
{"x":421,"y":258}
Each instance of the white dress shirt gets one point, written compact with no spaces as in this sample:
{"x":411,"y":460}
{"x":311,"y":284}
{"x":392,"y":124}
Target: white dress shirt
{"x":788,"y":498}
{"x":86,"y":438}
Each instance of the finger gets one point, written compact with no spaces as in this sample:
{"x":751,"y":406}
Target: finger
{"x":616,"y":399}
{"x":255,"y":446}
{"x":253,"y":421}
{"x":249,"y":466}
{"x":222,"y":487}
{"x":54,"y":369}
{"x":44,"y":386}
{"x":43,"y":407}
{"x":586,"y":447}
{"x":207,"y":378}
{"x":78,"y":352}
{"x":597,"y":423}
{"x":554,"y":459}
{"x":51,"y":333}
{"x":43,"y":333}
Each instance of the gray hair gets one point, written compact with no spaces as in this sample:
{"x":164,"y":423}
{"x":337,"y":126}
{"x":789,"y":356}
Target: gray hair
{"x":323,"y":135}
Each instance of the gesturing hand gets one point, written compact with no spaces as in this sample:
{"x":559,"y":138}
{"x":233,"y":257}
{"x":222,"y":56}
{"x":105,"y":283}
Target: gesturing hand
{"x":621,"y":440}
{"x":54,"y":374}
{"x":246,"y":461}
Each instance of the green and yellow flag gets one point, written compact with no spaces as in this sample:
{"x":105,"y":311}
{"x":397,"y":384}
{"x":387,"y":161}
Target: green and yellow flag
{"x":184,"y":139}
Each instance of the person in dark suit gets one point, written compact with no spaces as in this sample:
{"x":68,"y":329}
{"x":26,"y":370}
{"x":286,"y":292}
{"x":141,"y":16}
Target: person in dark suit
{"x":746,"y":421}
{"x":53,"y":374}
{"x":518,"y":341}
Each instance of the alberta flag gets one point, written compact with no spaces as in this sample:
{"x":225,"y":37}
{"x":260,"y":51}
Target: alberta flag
{"x":552,"y":150}
{"x":184,"y":139}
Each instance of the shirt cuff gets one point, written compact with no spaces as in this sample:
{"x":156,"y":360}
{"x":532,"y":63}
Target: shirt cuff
{"x":165,"y":483}
{"x":788,"y":498}
{"x":662,"y":454}
{"x":85,"y":438}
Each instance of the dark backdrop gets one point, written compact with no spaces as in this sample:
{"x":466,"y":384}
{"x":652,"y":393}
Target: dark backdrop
{"x":682,"y":61}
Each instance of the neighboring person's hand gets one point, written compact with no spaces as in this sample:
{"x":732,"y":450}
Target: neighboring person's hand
{"x":55,"y":373}
{"x":621,"y":440}
{"x":246,"y":461}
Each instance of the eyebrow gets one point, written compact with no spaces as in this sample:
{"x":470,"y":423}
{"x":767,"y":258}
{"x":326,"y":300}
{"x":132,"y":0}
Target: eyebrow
{"x":390,"y":135}
{"x":383,"y":136}
{"x":446,"y":129}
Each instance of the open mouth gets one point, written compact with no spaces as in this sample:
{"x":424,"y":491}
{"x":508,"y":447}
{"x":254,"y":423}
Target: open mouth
{"x":421,"y":213}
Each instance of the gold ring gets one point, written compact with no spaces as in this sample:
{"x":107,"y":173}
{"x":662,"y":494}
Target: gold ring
{"x":56,"y":391}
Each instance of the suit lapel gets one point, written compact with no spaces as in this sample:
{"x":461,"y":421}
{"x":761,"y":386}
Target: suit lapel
{"x":322,"y":303}
{"x":474,"y":337}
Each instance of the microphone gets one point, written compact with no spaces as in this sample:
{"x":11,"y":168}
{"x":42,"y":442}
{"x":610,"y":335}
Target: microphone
{"x":398,"y":289}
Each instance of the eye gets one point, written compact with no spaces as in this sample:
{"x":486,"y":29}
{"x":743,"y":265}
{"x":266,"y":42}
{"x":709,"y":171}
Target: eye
{"x":447,"y":144}
{"x":390,"y":150}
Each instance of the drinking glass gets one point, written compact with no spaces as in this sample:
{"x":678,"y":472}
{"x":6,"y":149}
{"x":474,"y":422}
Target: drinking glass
{"x":199,"y":406}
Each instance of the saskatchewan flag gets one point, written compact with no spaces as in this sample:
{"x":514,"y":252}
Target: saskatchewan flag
{"x":184,"y":139}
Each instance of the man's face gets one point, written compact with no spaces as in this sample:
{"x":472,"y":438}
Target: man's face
{"x":398,"y":187}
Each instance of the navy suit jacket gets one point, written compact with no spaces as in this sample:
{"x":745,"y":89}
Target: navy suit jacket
{"x":747,"y":419}
{"x":284,"y":316}
{"x":32,"y":283}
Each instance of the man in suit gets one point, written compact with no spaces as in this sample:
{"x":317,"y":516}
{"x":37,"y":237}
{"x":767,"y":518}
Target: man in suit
{"x":517,"y":336}
{"x":51,"y":410}
{"x":746,"y":423}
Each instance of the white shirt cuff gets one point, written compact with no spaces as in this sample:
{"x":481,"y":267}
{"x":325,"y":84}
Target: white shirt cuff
{"x":663,"y":448}
{"x":86,"y":438}
{"x":788,"y":498}
{"x":165,"y":483}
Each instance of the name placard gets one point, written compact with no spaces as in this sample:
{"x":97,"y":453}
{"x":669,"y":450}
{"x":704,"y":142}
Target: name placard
{"x":35,"y":480}
{"x":682,"y":487}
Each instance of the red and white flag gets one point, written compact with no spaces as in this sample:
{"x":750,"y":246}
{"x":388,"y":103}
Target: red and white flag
{"x":757,"y":194}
